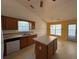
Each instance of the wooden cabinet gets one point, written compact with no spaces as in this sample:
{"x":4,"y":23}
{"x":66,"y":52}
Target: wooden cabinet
{"x":26,"y":41}
{"x":23,"y":42}
{"x":44,"y":51}
{"x":30,"y":40}
{"x":55,"y":45}
{"x":52,"y":47}
{"x":10,"y":45}
{"x":3,"y":22}
{"x":9,"y":23}
{"x":33,"y":25}
{"x":41,"y":51}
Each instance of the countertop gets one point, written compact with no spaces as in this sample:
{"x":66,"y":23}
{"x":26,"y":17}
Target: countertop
{"x":6,"y":37}
{"x":45,"y":39}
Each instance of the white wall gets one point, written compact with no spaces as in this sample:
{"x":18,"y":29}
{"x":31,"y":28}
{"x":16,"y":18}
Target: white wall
{"x":14,"y":9}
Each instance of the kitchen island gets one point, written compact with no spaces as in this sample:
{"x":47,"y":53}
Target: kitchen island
{"x":45,"y":47}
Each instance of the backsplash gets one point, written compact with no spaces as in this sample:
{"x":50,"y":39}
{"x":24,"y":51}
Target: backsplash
{"x":8,"y":34}
{"x":16,"y":32}
{"x":9,"y":31}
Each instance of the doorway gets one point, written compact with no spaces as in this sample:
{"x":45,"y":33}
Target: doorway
{"x":72,"y":32}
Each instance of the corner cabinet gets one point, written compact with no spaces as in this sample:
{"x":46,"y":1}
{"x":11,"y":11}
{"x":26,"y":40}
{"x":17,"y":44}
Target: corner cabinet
{"x":9,"y":23}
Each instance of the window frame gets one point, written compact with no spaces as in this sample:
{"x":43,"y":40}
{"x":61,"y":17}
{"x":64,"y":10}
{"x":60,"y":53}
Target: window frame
{"x":55,"y":33}
{"x":30,"y":26}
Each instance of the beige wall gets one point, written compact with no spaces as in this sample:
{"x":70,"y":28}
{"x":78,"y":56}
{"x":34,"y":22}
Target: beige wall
{"x":14,"y":9}
{"x":64,"y":27}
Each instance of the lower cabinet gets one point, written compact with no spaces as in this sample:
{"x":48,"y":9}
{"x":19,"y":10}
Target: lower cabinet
{"x":26,"y":41}
{"x":30,"y":41}
{"x":23,"y":42}
{"x":15,"y":44}
{"x":41,"y":51}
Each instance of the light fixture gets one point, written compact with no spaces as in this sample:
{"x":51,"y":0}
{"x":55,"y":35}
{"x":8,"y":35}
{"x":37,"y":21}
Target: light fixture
{"x":41,"y":3}
{"x":53,"y":0}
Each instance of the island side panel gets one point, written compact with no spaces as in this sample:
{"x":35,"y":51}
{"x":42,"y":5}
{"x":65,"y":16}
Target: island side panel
{"x":52,"y":47}
{"x":55,"y":45}
{"x":40,"y":50}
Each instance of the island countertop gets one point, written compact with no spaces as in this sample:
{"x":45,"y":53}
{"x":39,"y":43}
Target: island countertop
{"x":45,"y":39}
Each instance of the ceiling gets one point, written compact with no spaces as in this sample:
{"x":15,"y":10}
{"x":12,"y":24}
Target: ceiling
{"x":52,"y":10}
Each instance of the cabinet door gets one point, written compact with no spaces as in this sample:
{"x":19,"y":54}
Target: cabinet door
{"x":9,"y":23}
{"x":30,"y":40}
{"x":26,"y":41}
{"x":3,"y":22}
{"x":23,"y":42}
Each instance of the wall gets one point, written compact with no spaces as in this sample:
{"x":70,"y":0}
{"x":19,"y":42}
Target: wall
{"x":13,"y":9}
{"x":64,"y":24}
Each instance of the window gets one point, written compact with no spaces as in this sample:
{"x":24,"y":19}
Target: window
{"x":55,"y":29}
{"x":72,"y":30}
{"x":23,"y":26}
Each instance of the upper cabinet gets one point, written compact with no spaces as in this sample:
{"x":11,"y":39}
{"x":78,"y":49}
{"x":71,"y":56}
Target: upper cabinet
{"x":3,"y":22}
{"x":33,"y":25}
{"x":10,"y":23}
